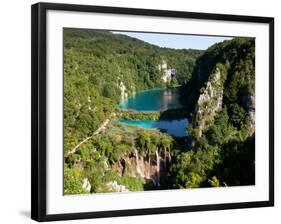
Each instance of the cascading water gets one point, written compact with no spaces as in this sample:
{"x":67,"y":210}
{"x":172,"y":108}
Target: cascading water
{"x":149,"y":165}
{"x":157,"y":168}
{"x":142,"y":169}
{"x":148,"y":172}
{"x":165,"y":158}
{"x":170,"y":159}
{"x":139,"y":170}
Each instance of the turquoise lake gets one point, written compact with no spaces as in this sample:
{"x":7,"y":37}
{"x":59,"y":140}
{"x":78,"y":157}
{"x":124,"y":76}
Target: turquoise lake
{"x":176,"y":128}
{"x":156,"y":100}
{"x":153,"y":100}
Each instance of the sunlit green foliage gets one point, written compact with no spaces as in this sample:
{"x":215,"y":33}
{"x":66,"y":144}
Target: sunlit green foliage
{"x":101,"y":152}
{"x":225,"y":153}
{"x":96,"y":62}
{"x":72,"y":181}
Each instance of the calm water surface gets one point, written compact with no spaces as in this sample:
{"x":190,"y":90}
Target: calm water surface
{"x":153,"y":100}
{"x":156,"y":100}
{"x":176,"y":128}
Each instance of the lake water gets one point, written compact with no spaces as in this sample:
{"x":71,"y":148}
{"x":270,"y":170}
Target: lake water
{"x":156,"y":100}
{"x":153,"y":100}
{"x":174,"y":127}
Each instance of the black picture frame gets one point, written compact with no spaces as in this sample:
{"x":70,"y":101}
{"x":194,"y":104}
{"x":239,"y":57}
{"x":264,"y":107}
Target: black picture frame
{"x":39,"y":108}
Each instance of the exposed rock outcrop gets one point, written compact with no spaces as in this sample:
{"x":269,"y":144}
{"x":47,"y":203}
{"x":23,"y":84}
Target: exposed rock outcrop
{"x":115,"y":187}
{"x":210,"y":101}
{"x":249,"y":104}
{"x":167,"y":74}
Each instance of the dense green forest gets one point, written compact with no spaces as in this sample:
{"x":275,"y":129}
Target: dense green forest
{"x":96,"y":62}
{"x":223,"y":153}
{"x":217,"y":85}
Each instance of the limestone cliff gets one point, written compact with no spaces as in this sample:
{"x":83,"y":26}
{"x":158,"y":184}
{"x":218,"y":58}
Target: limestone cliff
{"x":249,"y":104}
{"x":167,"y":74}
{"x":210,"y":101}
{"x":115,"y":187}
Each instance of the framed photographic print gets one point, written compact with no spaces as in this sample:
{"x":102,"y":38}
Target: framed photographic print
{"x":139,"y":111}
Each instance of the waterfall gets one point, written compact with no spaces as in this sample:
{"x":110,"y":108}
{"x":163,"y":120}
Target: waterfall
{"x":170,"y":159}
{"x":142,"y":170}
{"x":124,"y":94}
{"x":137,"y":161}
{"x":146,"y":173}
{"x":158,"y":168}
{"x":165,"y":158}
{"x":139,"y":170}
{"x":148,"y":166}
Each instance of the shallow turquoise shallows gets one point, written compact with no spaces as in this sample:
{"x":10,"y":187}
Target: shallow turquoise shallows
{"x":176,"y":128}
{"x":153,"y":100}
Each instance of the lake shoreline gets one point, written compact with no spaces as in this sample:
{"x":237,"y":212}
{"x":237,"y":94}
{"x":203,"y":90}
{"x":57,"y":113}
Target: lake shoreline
{"x":175,"y":128}
{"x":169,"y":115}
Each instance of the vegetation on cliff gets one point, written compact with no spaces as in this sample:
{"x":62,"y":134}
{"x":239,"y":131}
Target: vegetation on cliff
{"x":101,"y":68}
{"x":223,"y":141}
{"x":110,"y":156}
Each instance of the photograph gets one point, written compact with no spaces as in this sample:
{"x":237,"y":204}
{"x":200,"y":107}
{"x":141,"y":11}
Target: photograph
{"x":149,"y":111}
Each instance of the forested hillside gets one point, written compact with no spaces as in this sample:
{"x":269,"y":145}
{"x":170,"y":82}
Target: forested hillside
{"x":102,"y":154}
{"x":221,"y":97}
{"x":100,"y":67}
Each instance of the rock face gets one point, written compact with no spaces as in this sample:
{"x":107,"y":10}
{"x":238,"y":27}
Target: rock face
{"x":249,"y":104}
{"x":209,"y":102}
{"x":115,"y":187}
{"x":150,"y":167}
{"x":167,"y":74}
